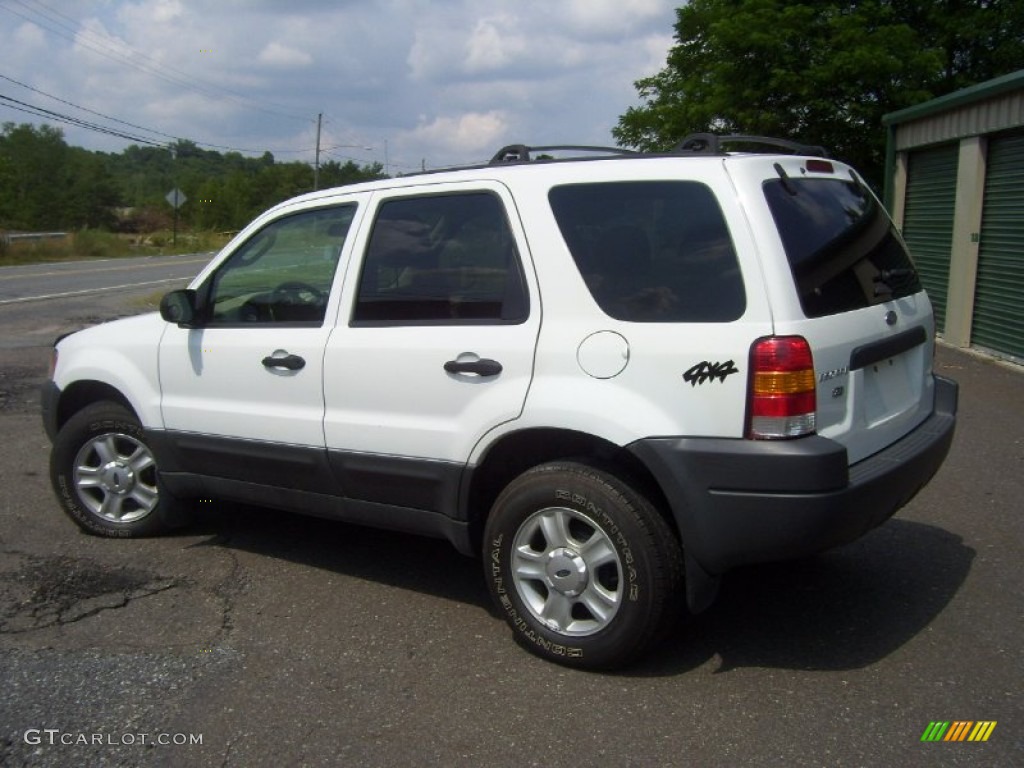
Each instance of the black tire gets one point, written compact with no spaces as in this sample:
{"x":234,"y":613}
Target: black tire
{"x":583,"y":568}
{"x":106,"y":478}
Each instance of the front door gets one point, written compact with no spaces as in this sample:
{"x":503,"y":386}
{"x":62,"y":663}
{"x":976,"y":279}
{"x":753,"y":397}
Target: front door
{"x":242,"y":394}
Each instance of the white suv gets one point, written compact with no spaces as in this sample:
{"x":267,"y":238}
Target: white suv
{"x":611,"y":376}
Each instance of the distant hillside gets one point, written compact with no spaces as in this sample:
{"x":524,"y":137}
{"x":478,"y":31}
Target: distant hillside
{"x":46,"y":184}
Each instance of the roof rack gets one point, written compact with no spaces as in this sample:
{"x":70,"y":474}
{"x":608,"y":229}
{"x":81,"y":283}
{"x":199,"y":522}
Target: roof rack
{"x":520,"y":153}
{"x":714,"y":144}
{"x":694,"y":144}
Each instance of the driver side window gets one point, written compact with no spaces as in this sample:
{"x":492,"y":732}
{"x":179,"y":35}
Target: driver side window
{"x":283,"y":273}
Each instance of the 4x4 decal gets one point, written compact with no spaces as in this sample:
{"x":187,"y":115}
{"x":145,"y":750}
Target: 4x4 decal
{"x":707,"y":371}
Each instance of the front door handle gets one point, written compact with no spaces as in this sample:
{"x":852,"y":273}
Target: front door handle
{"x":291,"y":362}
{"x":483,"y":367}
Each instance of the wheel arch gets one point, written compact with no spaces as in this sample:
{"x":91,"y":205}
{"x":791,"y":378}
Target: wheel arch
{"x":517,"y":452}
{"x":80,"y":394}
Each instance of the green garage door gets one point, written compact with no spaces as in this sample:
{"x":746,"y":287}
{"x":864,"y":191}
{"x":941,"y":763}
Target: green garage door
{"x":999,"y":293}
{"x":928,"y":219}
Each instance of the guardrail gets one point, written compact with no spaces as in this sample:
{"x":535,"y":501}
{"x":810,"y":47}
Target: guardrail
{"x":10,"y":237}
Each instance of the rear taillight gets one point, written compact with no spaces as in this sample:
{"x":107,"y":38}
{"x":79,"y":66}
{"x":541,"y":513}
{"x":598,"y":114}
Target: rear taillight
{"x":782,"y":396}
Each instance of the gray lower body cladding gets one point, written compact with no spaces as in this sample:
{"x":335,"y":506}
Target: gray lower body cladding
{"x":738,"y":502}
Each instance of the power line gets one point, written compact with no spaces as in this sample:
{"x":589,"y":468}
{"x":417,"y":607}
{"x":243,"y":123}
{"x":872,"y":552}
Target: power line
{"x":31,"y":109}
{"x":98,"y":44}
{"x":84,"y":37}
{"x":139,"y":61}
{"x":93,"y":126}
{"x":336,"y":156}
{"x":86,"y":109}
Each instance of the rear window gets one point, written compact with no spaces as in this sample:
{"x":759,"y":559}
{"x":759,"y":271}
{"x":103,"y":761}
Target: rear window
{"x":842,"y":248}
{"x":652,"y":251}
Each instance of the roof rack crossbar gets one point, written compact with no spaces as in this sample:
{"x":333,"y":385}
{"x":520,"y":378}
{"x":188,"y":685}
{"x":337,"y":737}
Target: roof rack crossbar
{"x":520,"y":153}
{"x":714,"y":144}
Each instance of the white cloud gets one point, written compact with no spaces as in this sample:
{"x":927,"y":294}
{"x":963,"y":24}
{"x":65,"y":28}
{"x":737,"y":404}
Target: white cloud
{"x":28,"y":36}
{"x":470,"y":132}
{"x":445,"y":81}
{"x":611,"y":17}
{"x":492,"y":46}
{"x":152,"y":11}
{"x":278,"y":55}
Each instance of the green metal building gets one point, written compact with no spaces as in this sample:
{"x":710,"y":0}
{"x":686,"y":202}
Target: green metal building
{"x":955,"y":186}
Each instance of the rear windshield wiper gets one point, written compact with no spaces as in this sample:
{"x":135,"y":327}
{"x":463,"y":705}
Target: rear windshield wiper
{"x":786,"y":183}
{"x":885,"y":275}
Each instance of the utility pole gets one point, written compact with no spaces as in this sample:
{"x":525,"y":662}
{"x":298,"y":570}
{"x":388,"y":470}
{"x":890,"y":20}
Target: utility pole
{"x":174,"y":192}
{"x":316,"y":163}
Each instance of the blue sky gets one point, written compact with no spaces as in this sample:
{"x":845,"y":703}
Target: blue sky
{"x":438,"y":82}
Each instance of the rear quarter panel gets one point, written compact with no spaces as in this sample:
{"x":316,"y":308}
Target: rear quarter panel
{"x":679,"y":378}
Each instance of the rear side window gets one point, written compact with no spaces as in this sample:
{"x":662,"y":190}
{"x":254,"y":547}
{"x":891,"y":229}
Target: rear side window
{"x":652,"y":251}
{"x":842,"y":248}
{"x":441,"y":259}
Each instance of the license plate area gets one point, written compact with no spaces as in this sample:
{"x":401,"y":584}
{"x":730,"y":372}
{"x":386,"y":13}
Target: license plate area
{"x":888,"y":390}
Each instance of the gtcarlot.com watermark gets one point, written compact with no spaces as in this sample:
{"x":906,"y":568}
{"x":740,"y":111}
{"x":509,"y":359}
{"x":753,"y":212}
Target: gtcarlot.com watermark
{"x":56,"y":737}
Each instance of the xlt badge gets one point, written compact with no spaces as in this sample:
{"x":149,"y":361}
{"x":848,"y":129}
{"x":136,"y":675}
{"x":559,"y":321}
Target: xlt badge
{"x":833,"y":374}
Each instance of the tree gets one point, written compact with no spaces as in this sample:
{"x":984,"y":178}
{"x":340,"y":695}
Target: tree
{"x":819,"y":72}
{"x":32,"y":180}
{"x":45,"y":184}
{"x":88,"y":194}
{"x":334,"y":174}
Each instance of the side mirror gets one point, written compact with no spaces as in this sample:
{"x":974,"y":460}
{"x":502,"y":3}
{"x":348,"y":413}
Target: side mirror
{"x":179,"y":307}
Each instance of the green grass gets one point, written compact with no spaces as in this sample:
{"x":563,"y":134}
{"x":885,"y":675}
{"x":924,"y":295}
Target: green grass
{"x":96,"y":244}
{"x":148,"y":303}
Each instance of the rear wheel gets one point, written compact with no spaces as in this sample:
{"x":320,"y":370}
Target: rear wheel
{"x":106,"y":477}
{"x":584,"y":569}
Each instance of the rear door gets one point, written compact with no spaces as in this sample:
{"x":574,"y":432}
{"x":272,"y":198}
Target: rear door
{"x":841,"y":277}
{"x":435,"y":343}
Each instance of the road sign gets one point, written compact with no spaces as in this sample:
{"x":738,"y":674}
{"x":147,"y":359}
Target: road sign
{"x":176,"y":198}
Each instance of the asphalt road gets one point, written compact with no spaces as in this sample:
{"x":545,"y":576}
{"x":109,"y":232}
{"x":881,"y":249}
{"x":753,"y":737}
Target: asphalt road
{"x":37,"y":300}
{"x":32,"y":283}
{"x":286,"y":641}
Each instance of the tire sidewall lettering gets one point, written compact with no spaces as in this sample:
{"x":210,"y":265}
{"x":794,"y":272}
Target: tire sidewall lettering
{"x":649,"y":562}
{"x":582,"y":504}
{"x":518,"y":622}
{"x":97,"y":421}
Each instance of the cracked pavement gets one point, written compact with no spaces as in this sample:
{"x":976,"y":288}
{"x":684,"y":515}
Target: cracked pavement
{"x":290,"y":641}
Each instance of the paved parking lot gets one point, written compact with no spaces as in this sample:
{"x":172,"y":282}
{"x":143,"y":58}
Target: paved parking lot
{"x":256,"y":638}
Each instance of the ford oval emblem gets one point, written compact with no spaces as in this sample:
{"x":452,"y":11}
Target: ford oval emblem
{"x":890,"y":318}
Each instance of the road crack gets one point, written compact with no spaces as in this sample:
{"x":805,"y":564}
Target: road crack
{"x":48,"y":591}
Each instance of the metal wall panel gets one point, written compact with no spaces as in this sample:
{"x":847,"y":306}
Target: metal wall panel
{"x":999,"y":294}
{"x":997,"y":114}
{"x":928,"y":219}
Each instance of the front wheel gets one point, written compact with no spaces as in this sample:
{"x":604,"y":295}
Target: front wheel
{"x":584,"y":569}
{"x":106,"y":477}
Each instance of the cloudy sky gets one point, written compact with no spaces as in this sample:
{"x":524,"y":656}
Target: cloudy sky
{"x":434,"y":82}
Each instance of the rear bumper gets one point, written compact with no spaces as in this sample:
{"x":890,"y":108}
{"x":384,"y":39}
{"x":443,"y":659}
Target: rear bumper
{"x":738,"y":501}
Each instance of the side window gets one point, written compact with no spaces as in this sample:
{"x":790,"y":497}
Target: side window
{"x":441,"y":259}
{"x":283,"y":273}
{"x":652,"y":251}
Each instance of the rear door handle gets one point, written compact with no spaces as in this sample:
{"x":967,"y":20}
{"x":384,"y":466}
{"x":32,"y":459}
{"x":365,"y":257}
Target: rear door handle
{"x":483,"y":367}
{"x":291,"y":362}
